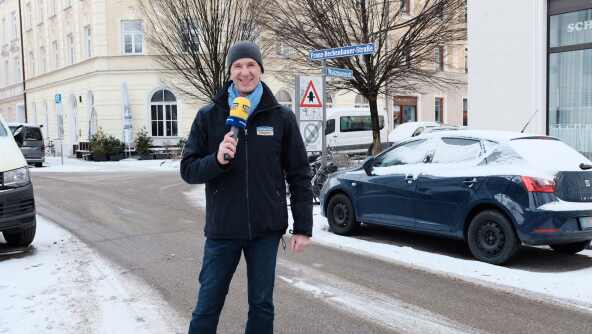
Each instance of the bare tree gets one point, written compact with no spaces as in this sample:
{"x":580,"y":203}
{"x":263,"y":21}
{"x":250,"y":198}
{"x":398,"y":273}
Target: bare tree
{"x":404,"y":41}
{"x":192,"y":38}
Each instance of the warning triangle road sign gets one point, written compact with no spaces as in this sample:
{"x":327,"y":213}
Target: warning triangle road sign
{"x":311,"y":98}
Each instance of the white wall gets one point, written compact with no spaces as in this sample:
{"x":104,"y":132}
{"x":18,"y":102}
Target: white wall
{"x":507,"y":64}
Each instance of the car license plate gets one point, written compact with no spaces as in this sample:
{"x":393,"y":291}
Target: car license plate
{"x":586,"y":223}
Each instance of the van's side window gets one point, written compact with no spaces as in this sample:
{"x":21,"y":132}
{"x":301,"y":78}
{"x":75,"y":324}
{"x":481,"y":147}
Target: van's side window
{"x":358,"y":123}
{"x":330,"y":127}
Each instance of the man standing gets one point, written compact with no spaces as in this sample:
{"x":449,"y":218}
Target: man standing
{"x":246,"y":210}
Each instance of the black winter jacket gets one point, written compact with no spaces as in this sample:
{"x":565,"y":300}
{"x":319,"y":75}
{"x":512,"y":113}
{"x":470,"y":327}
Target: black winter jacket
{"x":247,"y":198}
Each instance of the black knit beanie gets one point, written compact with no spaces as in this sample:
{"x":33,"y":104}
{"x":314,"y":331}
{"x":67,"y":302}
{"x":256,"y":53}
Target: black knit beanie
{"x":244,"y":49}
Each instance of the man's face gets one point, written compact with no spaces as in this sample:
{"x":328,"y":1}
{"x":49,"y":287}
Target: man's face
{"x":246,"y":74}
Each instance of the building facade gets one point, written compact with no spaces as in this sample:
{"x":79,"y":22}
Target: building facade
{"x":85,"y":59}
{"x":536,"y":66}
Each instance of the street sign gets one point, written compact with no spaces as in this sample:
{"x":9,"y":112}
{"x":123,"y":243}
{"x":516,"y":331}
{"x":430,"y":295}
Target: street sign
{"x":311,"y":134}
{"x":311,"y":98}
{"x":340,"y":72}
{"x":58,"y":98}
{"x":346,"y":51}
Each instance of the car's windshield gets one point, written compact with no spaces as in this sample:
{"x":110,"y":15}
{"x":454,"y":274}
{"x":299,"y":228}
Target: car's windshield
{"x":33,"y":134}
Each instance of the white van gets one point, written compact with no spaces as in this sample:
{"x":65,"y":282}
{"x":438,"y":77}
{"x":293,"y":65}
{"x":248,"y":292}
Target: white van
{"x":17,"y":203}
{"x":350,"y":129}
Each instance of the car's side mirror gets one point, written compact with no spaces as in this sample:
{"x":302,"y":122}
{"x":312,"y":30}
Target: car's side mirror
{"x":368,"y":165}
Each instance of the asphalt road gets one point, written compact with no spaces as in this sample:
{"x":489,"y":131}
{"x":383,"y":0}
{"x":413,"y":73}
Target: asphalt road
{"x":145,"y":223}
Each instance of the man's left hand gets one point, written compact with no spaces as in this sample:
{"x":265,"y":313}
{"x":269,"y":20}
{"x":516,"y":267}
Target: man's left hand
{"x":299,"y":242}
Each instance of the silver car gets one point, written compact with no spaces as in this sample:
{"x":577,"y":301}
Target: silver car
{"x":30,"y":139}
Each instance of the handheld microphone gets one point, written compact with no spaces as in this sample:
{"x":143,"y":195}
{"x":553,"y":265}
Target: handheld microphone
{"x":237,"y":118}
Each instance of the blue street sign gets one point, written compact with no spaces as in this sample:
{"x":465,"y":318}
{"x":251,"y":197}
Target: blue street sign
{"x":340,"y":72}
{"x":58,"y":98}
{"x":346,"y":51}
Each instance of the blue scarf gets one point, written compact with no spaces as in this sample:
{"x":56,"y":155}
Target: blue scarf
{"x":254,"y":97}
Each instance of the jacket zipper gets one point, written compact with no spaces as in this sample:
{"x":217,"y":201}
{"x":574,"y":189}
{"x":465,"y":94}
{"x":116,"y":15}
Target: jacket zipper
{"x":247,"y":181}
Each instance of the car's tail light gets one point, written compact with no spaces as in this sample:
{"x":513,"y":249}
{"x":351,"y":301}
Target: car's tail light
{"x":538,"y":185}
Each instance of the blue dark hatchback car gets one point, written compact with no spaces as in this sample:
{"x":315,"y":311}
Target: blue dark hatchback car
{"x":495,"y":190}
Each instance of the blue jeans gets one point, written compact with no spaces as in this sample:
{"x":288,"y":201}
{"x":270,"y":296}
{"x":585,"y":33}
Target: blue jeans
{"x":219,"y":263}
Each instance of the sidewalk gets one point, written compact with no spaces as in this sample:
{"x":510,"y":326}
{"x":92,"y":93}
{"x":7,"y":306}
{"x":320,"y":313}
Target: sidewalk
{"x":61,"y":286}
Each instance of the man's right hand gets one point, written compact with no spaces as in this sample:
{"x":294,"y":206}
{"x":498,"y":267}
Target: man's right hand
{"x":227,"y":146}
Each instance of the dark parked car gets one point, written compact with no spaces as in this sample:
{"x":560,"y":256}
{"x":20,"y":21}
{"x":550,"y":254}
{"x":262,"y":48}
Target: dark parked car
{"x":30,"y":139}
{"x":495,"y":190}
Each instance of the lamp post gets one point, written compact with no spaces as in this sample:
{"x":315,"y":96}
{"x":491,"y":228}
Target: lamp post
{"x":23,"y":59}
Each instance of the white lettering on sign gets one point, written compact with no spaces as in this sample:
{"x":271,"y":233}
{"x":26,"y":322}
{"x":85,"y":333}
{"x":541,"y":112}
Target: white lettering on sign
{"x":579,"y":26}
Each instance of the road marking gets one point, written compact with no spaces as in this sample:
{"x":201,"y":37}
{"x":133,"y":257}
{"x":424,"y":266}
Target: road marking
{"x":363,"y":302}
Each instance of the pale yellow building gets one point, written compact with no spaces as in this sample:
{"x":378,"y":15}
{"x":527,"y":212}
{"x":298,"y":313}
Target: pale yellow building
{"x":81,"y":52}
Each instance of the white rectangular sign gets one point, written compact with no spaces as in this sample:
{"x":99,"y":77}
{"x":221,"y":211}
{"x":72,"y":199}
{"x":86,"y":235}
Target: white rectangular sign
{"x":312,"y":135}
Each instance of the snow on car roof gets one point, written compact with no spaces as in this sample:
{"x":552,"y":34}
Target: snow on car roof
{"x":494,"y":135}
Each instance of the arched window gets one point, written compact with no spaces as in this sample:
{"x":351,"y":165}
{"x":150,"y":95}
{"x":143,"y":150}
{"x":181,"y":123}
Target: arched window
{"x":163,"y":111}
{"x":284,"y":98}
{"x":361,"y":102}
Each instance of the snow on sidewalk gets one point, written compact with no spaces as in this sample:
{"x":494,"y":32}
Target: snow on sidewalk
{"x":54,"y":165}
{"x":62,"y":286}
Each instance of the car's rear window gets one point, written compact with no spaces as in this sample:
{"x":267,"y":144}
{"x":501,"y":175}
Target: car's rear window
{"x":33,"y":134}
{"x":549,"y":154}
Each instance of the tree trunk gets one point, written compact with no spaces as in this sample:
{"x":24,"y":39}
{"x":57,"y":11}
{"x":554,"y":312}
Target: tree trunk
{"x":376,"y":146}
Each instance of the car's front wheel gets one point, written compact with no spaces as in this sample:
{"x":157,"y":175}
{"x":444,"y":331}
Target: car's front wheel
{"x":341,"y":216}
{"x":22,"y":238}
{"x":571,"y":248}
{"x":491,"y":237}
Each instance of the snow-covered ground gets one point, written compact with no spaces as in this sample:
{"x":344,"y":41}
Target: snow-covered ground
{"x":566,"y":287}
{"x":61,"y":286}
{"x":54,"y":164}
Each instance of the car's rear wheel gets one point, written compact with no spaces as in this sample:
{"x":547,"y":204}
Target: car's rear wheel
{"x":22,"y":238}
{"x":491,"y":237}
{"x":341,"y":216}
{"x":571,"y":248}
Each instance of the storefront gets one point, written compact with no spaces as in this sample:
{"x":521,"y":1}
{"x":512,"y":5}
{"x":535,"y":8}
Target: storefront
{"x":569,"y":83}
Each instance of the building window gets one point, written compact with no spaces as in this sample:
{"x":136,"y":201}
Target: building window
{"x":31,"y":64}
{"x":28,"y":16}
{"x":284,"y":50}
{"x":329,"y":101}
{"x":56,"y":54}
{"x":42,"y":60}
{"x":404,"y":109}
{"x":284,"y":98}
{"x":70,"y":43}
{"x":87,"y":42}
{"x":53,"y":4}
{"x":40,"y":11}
{"x":405,"y":7}
{"x":438,"y":109}
{"x":190,"y":33}
{"x":361,"y":102}
{"x":163,"y":112}
{"x":6,"y":73}
{"x":439,"y":58}
{"x":4,"y":32}
{"x":132,"y":37}
{"x":18,"y":72}
{"x":465,"y":112}
{"x":13,"y":28}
